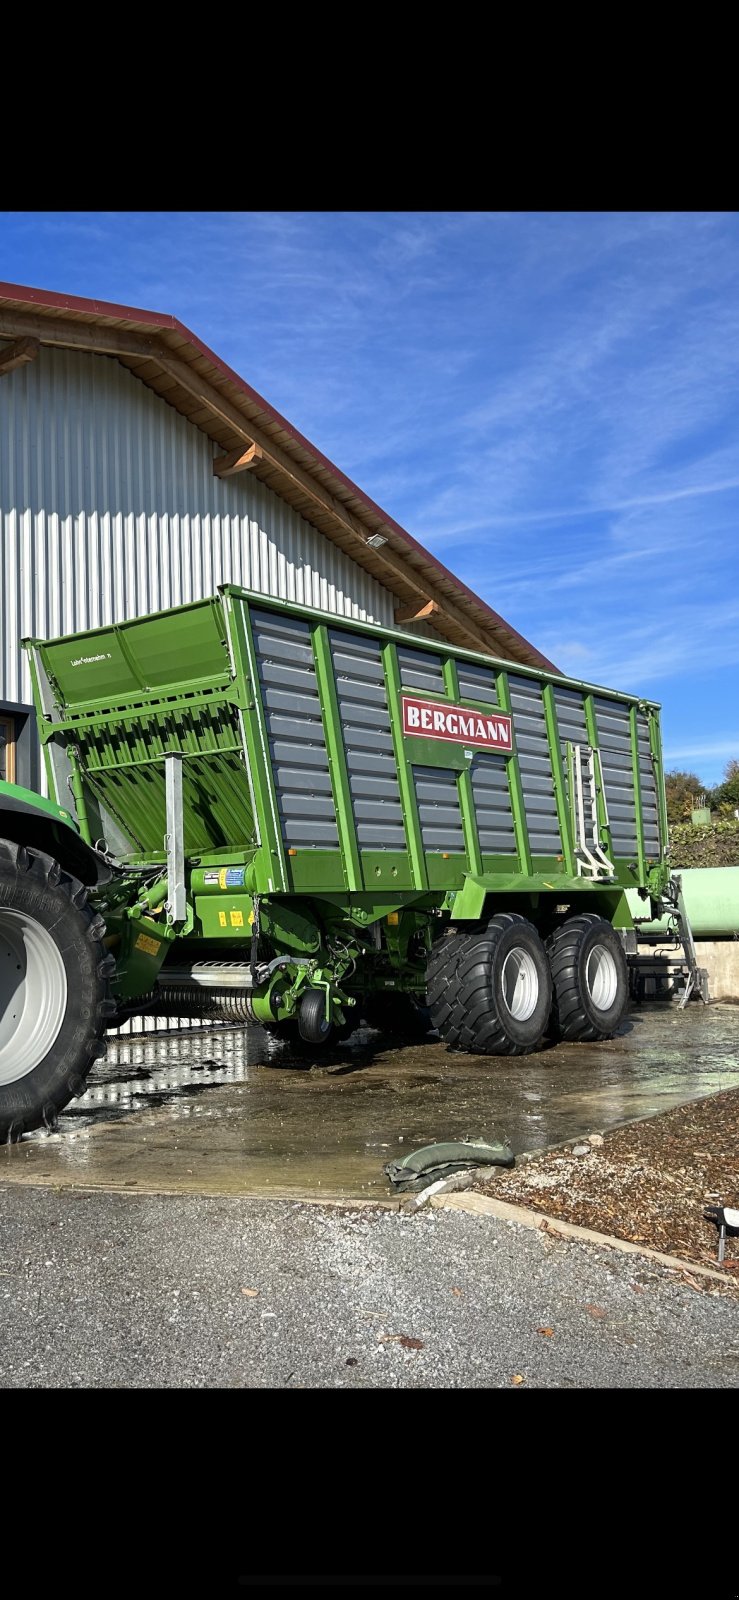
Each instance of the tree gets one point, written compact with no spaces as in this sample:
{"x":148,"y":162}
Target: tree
{"x":682,"y":790}
{"x":726,"y":796}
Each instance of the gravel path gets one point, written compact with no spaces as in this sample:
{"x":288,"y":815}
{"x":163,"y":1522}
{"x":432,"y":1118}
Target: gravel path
{"x":107,"y":1290}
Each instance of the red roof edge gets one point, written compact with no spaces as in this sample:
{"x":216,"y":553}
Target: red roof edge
{"x":158,"y":319}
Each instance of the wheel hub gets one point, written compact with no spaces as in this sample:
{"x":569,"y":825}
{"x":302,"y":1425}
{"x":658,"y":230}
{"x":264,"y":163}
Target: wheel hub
{"x":520,"y":982}
{"x":33,"y":994}
{"x":601,"y":977}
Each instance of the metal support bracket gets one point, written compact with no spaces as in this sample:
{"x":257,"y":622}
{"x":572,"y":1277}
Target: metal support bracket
{"x":174,"y":842}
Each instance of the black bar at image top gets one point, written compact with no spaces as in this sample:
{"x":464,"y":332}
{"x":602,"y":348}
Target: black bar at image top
{"x":313,"y":1581}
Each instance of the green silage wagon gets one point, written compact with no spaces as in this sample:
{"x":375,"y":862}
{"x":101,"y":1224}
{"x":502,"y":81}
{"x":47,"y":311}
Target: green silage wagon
{"x":305,"y":821}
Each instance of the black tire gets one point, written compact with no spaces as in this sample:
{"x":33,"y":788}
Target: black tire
{"x":391,"y":1011}
{"x":60,"y":1006}
{"x":313,"y":1026}
{"x":501,"y":989}
{"x":289,"y":1033}
{"x":441,"y":978}
{"x":590,"y":977}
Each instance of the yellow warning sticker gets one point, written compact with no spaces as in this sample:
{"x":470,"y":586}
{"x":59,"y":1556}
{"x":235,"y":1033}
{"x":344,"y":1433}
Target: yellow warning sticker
{"x":222,"y":918}
{"x":222,"y":878}
{"x":151,"y":946}
{"x":393,"y":919}
{"x":250,"y":919}
{"x":237,"y":919}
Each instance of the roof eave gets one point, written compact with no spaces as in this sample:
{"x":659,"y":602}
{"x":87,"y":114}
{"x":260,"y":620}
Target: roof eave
{"x":462,"y":615}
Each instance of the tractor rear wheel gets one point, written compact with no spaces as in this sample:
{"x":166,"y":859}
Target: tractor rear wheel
{"x":55,"y":1000}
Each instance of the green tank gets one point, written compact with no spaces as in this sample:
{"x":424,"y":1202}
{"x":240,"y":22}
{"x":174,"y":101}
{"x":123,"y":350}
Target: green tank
{"x":711,"y":896}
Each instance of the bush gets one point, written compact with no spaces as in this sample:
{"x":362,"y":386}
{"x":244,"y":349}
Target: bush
{"x":714,"y":846}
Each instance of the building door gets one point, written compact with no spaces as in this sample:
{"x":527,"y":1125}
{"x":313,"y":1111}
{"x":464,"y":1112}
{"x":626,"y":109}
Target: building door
{"x":7,"y":747}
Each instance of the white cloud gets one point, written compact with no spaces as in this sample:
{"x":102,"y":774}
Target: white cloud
{"x":727,"y":748}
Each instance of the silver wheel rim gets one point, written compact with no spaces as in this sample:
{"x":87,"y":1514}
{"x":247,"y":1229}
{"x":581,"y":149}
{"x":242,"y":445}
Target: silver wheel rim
{"x":33,"y":994}
{"x":601,"y":977}
{"x":520,"y":981}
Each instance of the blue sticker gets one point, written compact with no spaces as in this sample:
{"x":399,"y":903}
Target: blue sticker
{"x":235,"y":877}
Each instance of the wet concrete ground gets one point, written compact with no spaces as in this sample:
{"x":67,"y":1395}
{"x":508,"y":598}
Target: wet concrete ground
{"x":231,"y":1112}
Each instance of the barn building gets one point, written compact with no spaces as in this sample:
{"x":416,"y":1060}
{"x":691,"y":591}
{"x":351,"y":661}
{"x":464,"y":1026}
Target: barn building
{"x":138,"y":471}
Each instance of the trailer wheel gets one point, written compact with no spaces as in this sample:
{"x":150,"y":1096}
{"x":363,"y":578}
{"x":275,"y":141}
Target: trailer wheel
{"x":54,"y":989}
{"x":502,"y":989}
{"x":590,"y":977}
{"x":441,"y":982}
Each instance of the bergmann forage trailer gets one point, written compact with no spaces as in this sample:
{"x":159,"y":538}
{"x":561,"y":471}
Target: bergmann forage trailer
{"x":302,"y":821}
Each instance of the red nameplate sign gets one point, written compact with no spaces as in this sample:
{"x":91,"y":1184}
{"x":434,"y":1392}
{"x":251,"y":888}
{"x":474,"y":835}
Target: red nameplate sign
{"x":432,"y":719}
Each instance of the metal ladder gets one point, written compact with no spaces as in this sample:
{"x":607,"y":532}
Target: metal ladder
{"x":586,"y":781}
{"x":697,"y":976}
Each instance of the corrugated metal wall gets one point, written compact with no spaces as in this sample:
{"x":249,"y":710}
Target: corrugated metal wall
{"x":109,"y":509}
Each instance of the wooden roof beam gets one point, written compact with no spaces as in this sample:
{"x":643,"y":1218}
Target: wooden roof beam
{"x":77,"y":335}
{"x":240,"y":460}
{"x":18,"y":354}
{"x":415,"y":613}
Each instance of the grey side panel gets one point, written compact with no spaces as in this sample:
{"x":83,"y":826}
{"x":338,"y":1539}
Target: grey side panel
{"x":420,"y":672}
{"x":573,"y":728}
{"x":295,"y":727}
{"x":477,"y":682}
{"x":570,"y":704}
{"x":437,"y":797}
{"x":492,"y":801}
{"x":648,"y":784}
{"x":368,"y":743}
{"x":535,"y":765}
{"x":614,"y":738}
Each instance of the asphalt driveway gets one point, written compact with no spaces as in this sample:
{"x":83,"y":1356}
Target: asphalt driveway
{"x":116,"y":1290}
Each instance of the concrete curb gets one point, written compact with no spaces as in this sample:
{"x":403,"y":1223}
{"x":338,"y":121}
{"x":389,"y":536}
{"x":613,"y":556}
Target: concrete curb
{"x":483,"y":1205}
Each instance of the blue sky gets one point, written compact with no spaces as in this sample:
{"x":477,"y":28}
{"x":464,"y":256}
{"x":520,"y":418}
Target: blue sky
{"x":547,"y":401}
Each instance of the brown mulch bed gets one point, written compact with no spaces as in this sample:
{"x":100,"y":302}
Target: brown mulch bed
{"x":649,"y":1183}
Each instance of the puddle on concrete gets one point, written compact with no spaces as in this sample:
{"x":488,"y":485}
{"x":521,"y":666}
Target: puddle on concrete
{"x":231,"y":1111}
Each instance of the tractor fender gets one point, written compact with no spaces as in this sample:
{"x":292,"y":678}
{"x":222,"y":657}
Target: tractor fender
{"x":28,"y":819}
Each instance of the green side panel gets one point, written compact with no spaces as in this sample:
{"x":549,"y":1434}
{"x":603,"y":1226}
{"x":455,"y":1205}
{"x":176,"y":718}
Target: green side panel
{"x":143,"y":657}
{"x":418,"y":874}
{"x":564,"y":810}
{"x":604,"y":826}
{"x":641,"y":852}
{"x":464,"y":782}
{"x":658,"y":767}
{"x":516,"y":788}
{"x":295,"y":754}
{"x":337,"y":758}
{"x":270,"y":870}
{"x":128,"y":696}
